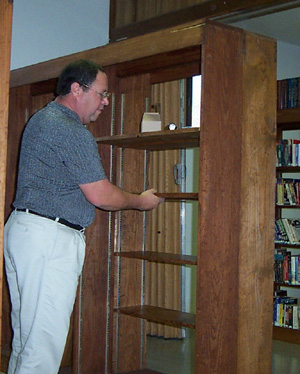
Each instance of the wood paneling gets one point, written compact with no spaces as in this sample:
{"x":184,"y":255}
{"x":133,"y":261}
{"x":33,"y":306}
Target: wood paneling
{"x":159,"y":62}
{"x":130,"y":18}
{"x":19,"y":107}
{"x":127,"y":12}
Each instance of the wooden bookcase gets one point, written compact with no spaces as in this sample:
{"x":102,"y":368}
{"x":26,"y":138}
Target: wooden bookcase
{"x":287,"y":119}
{"x":233,"y":320}
{"x":234,"y":256}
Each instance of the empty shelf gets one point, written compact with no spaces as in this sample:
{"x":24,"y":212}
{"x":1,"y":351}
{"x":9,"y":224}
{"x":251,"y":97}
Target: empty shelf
{"x":160,"y":315}
{"x":162,"y":257}
{"x":158,"y":140}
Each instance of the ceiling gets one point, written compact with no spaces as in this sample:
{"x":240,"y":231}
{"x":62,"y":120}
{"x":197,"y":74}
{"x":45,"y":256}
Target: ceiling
{"x":283,"y":25}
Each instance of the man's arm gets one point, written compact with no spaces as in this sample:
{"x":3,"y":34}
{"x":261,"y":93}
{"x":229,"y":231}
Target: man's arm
{"x":107,"y":196}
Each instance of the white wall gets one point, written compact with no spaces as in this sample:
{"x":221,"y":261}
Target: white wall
{"x":46,"y":29}
{"x":288,"y":60}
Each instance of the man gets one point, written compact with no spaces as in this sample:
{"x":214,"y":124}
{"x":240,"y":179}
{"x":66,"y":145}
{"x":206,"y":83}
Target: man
{"x":60,"y":182}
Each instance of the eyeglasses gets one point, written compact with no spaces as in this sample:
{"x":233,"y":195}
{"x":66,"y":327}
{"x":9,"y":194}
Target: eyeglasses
{"x":104,"y":95}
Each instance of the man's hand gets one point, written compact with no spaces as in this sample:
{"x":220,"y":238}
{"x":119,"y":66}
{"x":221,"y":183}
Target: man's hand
{"x":150,"y":200}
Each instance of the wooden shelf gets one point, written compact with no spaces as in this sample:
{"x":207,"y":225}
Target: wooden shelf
{"x":288,"y":119}
{"x":172,"y":196}
{"x":281,"y":206}
{"x":164,"y":316}
{"x":142,"y":371}
{"x":287,"y":245}
{"x":158,"y":140}
{"x":286,"y":335}
{"x":286,"y":285}
{"x":167,"y":258}
{"x":288,"y":169}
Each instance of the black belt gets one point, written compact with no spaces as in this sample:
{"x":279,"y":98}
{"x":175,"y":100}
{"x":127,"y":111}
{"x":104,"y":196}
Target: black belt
{"x":60,"y":220}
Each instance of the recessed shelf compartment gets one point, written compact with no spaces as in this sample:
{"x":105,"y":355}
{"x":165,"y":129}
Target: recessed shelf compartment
{"x":164,"y":316}
{"x":162,"y":257}
{"x":158,"y":140}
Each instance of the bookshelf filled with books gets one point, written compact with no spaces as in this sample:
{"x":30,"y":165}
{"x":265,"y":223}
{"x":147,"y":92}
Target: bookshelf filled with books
{"x":287,"y":228}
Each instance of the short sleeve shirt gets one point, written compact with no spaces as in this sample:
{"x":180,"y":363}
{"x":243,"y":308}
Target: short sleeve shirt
{"x":57,"y":154}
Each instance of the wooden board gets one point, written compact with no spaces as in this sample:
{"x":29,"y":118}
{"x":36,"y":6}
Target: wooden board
{"x":286,"y":335}
{"x":157,"y":140}
{"x":142,"y":371}
{"x":166,"y":258}
{"x":236,"y":203}
{"x":160,"y":315}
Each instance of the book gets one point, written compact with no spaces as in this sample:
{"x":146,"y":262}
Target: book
{"x":288,"y":93}
{"x":295,"y":223}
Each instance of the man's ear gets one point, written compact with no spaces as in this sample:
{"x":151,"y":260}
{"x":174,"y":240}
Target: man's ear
{"x":76,"y":89}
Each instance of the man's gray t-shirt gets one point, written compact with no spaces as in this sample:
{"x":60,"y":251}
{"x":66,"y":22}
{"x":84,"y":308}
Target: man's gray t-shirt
{"x":57,"y":154}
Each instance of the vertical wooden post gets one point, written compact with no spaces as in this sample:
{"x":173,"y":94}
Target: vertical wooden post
{"x":5,"y":47}
{"x":236,"y":203}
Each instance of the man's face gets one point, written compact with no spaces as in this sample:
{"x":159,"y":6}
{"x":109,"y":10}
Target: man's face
{"x":92,"y":102}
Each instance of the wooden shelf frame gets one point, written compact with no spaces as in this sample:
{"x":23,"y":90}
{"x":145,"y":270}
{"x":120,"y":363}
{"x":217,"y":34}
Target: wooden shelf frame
{"x":160,"y":315}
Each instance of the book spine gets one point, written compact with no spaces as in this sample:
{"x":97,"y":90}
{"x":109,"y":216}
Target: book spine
{"x":288,"y":93}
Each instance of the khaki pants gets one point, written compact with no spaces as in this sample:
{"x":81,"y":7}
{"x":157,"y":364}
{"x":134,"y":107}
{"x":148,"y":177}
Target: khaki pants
{"x":43,"y":261}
